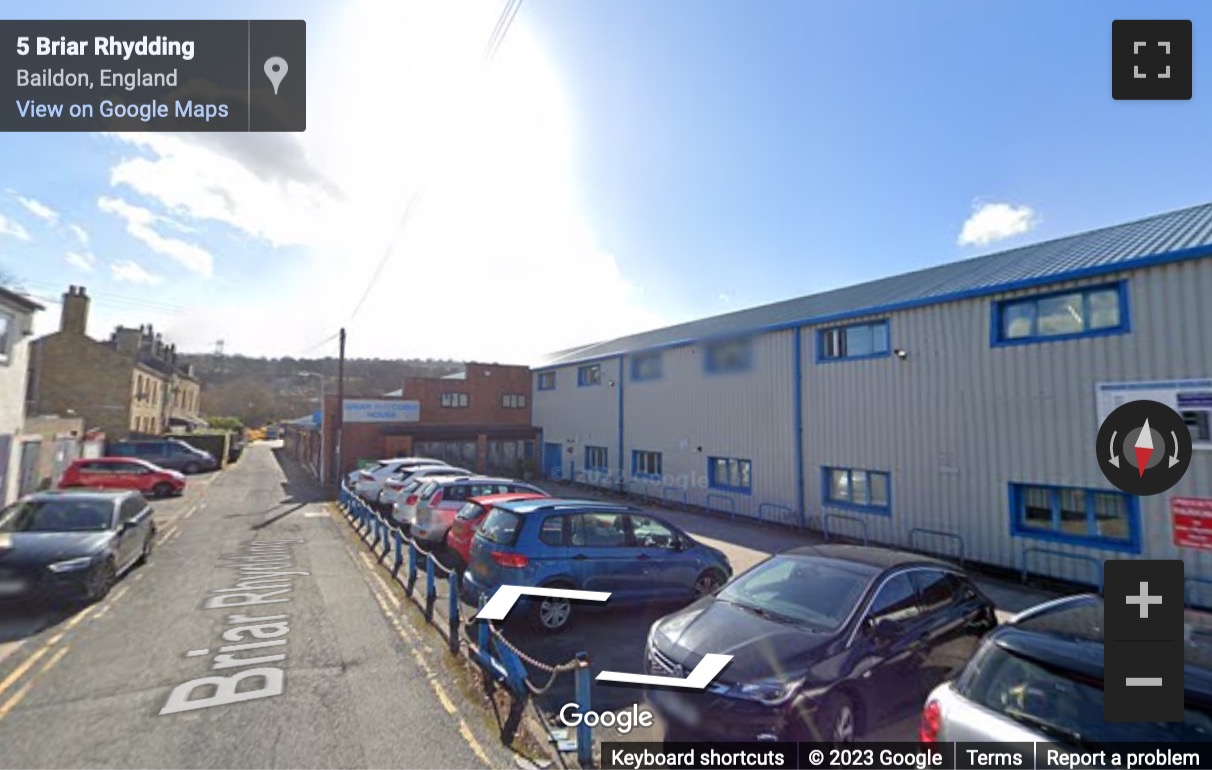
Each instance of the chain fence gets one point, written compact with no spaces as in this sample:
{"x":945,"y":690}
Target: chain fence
{"x":441,"y":600}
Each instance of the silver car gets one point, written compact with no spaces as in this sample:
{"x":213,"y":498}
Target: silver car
{"x":1039,"y":678}
{"x":370,"y":480}
{"x":404,"y":510}
{"x":394,"y":483}
{"x":440,"y":501}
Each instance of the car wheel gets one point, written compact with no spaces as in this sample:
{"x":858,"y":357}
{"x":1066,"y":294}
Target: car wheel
{"x":191,"y":468}
{"x":550,"y":615}
{"x":100,"y":581}
{"x":147,"y":547}
{"x":838,"y":720}
{"x":163,"y":489}
{"x":709,"y":581}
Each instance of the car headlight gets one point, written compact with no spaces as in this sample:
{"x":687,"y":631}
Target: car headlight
{"x":70,"y":564}
{"x":772,"y":692}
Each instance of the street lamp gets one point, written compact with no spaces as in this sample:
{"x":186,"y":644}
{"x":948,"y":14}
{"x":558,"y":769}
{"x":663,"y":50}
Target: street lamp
{"x":323,"y":456}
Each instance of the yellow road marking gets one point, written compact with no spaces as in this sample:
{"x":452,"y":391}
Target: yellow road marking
{"x":17,"y":696}
{"x":470,"y":737}
{"x":35,"y":656}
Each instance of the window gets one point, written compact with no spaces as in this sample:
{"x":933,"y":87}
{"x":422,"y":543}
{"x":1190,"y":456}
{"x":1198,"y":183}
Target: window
{"x":857,"y":489}
{"x":596,"y":459}
{"x":650,"y":533}
{"x":552,"y":531}
{"x":454,"y":400}
{"x":730,"y":474}
{"x":865,"y":340}
{"x":1091,"y":517}
{"x":896,"y":600}
{"x":547,"y":381}
{"x":937,"y":589}
{"x":729,"y":355}
{"x":1062,"y":315}
{"x":8,"y":329}
{"x":599,"y":530}
{"x":500,"y":527}
{"x":588,"y":376}
{"x":513,"y":401}
{"x":645,"y":464}
{"x":646,"y":366}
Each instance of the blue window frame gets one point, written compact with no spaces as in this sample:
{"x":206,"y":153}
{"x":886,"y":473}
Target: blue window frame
{"x":853,"y":341}
{"x":646,"y":366}
{"x":730,"y":474}
{"x":645,"y":464}
{"x":547,"y":381}
{"x":735,"y":355}
{"x":588,"y":376}
{"x":596,"y":459}
{"x":857,"y":489}
{"x":1088,"y":311}
{"x":1097,"y":518}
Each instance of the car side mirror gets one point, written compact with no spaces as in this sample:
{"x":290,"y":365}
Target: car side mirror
{"x":679,"y":544}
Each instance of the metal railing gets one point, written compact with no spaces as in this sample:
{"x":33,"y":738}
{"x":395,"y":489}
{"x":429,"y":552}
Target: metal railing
{"x":1032,"y":549}
{"x":731,"y":510}
{"x":829,"y":532}
{"x":778,"y":514}
{"x":938,"y":533}
{"x":484,"y":643}
{"x":679,"y":495}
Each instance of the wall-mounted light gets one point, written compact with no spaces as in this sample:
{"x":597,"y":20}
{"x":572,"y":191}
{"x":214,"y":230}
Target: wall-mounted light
{"x":900,"y":353}
{"x":611,"y":383}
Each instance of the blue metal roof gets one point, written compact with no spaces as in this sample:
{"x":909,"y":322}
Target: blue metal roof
{"x":1170,"y":237}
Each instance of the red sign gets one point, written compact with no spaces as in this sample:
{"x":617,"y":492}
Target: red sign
{"x":1192,"y":520}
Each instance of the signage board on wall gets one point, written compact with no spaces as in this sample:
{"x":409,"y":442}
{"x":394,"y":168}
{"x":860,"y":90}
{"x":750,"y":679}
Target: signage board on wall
{"x":1190,"y":398}
{"x":381,"y":410}
{"x":1191,"y":518}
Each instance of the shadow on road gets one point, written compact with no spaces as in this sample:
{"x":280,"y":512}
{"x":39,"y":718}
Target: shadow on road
{"x":21,"y":620}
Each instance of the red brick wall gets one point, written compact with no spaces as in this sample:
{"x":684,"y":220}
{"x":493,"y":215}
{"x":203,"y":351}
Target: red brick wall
{"x":485,"y":386}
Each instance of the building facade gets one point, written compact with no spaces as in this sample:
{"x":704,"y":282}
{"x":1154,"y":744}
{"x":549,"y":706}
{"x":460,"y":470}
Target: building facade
{"x":16,"y":457}
{"x":132,"y":383}
{"x":951,"y":410}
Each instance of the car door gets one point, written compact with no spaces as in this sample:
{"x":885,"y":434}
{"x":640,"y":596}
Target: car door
{"x":601,"y":557}
{"x":954,"y":617}
{"x":96,"y":474}
{"x":665,"y":575}
{"x":887,"y":665}
{"x":127,"y":475}
{"x":130,"y":534}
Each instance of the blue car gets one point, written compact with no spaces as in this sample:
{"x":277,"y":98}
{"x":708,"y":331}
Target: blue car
{"x":592,"y":546}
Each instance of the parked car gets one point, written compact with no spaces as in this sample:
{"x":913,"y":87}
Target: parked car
{"x":368,"y":481}
{"x":1039,"y":677}
{"x":581,"y":544}
{"x":826,"y":641}
{"x":438,"y":505}
{"x":394,"y":483}
{"x":123,"y":473}
{"x":469,"y":517}
{"x":404,"y":510}
{"x":166,"y":453}
{"x":72,"y":543}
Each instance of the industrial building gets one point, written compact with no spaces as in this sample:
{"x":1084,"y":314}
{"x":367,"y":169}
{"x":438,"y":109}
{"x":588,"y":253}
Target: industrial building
{"x":952,"y":409}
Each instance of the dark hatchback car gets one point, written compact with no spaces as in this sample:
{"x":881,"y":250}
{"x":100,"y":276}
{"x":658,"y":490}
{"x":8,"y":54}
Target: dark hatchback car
{"x":72,"y":544}
{"x":1039,"y":677}
{"x":167,"y":453}
{"x":826,"y":642}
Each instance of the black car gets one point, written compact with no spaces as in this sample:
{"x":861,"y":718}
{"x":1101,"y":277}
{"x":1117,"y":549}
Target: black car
{"x":826,"y":641}
{"x":72,"y":544}
{"x":167,"y":453}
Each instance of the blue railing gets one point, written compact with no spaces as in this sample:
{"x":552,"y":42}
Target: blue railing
{"x":678,"y":496}
{"x":730,"y":510}
{"x":938,"y":533}
{"x":1037,"y":550}
{"x":643,"y":485}
{"x":487,"y":646}
{"x":828,"y":531}
{"x":778,"y":514}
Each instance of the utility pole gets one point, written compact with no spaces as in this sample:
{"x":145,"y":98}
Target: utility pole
{"x":340,"y":412}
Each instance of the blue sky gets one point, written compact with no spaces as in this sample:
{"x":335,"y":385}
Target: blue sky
{"x":625,"y":163}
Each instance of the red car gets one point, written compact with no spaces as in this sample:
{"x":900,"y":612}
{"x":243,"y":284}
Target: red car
{"x":469,"y":518}
{"x":123,"y":473}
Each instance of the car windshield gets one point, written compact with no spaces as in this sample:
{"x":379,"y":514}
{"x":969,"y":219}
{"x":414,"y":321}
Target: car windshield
{"x":1067,"y":708}
{"x":816,"y":593}
{"x":57,"y":516}
{"x":470,"y":511}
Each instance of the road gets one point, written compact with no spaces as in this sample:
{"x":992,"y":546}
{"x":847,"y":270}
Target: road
{"x":86,"y":687}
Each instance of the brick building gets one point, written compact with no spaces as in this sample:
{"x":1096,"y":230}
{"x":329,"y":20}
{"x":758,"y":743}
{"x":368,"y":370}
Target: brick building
{"x":479,"y":419}
{"x":132,"y":383}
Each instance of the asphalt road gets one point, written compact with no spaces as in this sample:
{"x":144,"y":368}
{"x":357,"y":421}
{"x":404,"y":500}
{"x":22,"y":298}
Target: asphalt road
{"x":85,"y":687}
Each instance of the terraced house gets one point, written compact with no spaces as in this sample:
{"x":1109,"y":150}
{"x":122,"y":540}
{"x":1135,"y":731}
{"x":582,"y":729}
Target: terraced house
{"x":952,"y":409}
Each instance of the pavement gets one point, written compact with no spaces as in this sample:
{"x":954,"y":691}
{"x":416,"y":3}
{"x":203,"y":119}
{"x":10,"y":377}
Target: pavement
{"x":88,"y":687}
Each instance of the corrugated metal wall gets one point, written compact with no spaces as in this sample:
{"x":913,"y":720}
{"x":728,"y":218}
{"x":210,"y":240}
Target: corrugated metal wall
{"x":958,"y":420}
{"x":577,"y":417}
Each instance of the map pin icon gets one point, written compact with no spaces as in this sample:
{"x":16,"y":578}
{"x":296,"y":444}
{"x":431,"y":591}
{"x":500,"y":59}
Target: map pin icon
{"x":275,"y":70}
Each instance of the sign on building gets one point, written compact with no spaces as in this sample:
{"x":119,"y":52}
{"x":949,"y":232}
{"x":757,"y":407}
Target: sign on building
{"x":378,"y":410}
{"x":1192,"y":521}
{"x":1190,"y":398}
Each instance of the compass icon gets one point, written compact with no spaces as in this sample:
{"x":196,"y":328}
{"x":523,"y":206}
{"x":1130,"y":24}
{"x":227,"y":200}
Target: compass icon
{"x":1144,"y":447}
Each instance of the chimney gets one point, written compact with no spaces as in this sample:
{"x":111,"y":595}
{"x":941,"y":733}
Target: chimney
{"x":74,"y":318}
{"x":127,"y":340}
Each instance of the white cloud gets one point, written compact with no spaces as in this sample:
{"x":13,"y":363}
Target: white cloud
{"x":128,"y":271}
{"x":80,"y":233}
{"x":140,"y":225}
{"x":996,"y":221}
{"x":14,"y":229}
{"x":724,"y":298}
{"x":39,"y":209}
{"x":499,"y":217}
{"x":81,"y":259}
